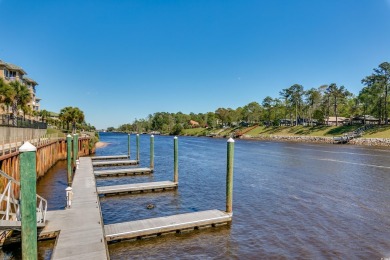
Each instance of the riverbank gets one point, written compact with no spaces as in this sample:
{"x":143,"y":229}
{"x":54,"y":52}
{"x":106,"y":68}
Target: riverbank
{"x":319,"y":139}
{"x":374,"y":136}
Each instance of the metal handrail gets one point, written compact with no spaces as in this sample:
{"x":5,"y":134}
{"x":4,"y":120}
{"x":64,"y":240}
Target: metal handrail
{"x":12,"y":210}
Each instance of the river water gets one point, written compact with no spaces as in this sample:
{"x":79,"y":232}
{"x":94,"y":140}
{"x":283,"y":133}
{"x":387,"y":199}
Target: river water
{"x":291,"y":200}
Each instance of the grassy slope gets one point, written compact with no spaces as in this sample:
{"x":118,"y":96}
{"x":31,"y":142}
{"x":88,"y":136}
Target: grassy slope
{"x":329,"y":131}
{"x":383,"y":132}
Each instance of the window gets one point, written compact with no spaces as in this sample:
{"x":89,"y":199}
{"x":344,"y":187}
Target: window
{"x":6,"y":73}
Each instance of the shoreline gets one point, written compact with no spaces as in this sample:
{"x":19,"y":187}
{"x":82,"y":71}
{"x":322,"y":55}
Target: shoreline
{"x":380,"y":142}
{"x":101,"y":144}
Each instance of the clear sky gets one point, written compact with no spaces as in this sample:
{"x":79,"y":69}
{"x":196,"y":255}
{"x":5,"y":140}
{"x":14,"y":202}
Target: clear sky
{"x":119,"y":60}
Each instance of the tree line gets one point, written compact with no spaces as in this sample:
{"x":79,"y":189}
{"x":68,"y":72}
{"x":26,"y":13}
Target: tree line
{"x":294,"y":104}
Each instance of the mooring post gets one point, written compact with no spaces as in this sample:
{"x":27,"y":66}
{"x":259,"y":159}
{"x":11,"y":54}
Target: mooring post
{"x":175,"y":160}
{"x":28,"y":192}
{"x":69,"y":197}
{"x":152,"y":152}
{"x":128,"y":145}
{"x":137,"y":148}
{"x":229,"y":175}
{"x":69,"y":157}
{"x":75,"y":149}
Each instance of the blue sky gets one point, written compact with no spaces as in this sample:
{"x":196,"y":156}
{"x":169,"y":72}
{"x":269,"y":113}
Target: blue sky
{"x":121,"y":60}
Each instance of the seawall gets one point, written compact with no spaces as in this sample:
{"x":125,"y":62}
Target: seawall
{"x":319,"y":139}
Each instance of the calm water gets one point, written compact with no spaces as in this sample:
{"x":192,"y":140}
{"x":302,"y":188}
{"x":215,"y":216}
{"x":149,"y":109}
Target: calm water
{"x":290,"y":200}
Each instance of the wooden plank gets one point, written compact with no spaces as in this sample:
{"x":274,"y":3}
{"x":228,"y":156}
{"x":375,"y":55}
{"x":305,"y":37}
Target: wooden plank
{"x":114,"y":163}
{"x":15,"y":225}
{"x":109,"y":157}
{"x":157,"y":226}
{"x":148,"y":186}
{"x":80,"y":228}
{"x":116,"y":172}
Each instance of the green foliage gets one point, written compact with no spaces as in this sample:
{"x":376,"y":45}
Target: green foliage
{"x":295,"y":103}
{"x":177,"y":129}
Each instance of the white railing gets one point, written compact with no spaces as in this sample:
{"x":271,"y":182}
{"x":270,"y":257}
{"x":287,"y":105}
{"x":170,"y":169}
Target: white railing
{"x":11,"y":212}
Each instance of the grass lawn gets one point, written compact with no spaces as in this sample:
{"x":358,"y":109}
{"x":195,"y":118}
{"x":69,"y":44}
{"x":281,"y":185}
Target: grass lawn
{"x":377,"y":132}
{"x":52,"y":131}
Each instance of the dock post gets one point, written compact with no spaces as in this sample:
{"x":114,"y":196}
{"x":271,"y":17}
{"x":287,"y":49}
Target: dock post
{"x":128,"y":145}
{"x":28,"y":191}
{"x":229,"y":175}
{"x":75,"y":149}
{"x":152,"y":152}
{"x":137,"y":159}
{"x":175,"y":160}
{"x":69,"y":158}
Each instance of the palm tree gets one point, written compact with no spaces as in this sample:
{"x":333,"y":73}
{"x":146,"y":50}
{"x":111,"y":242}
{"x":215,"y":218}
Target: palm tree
{"x":7,"y":95}
{"x":44,"y":114}
{"x":77,"y":117}
{"x":72,"y":115}
{"x":20,"y":99}
{"x":65,"y":116}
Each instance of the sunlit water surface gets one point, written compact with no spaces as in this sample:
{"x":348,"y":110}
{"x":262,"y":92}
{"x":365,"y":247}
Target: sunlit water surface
{"x":291,"y":200}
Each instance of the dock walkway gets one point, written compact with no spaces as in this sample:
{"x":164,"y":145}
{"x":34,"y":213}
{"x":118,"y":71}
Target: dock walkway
{"x":109,"y":157}
{"x":136,"y":187}
{"x":108,"y":163}
{"x":116,"y":172}
{"x":80,"y":228}
{"x":161,"y":225}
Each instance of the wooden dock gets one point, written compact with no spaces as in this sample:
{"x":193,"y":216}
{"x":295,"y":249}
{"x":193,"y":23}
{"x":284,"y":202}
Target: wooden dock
{"x":114,"y":163}
{"x":15,"y":225}
{"x":137,"y":187}
{"x":158,"y":226}
{"x":79,"y":228}
{"x":117,"y":172}
{"x":110,"y":157}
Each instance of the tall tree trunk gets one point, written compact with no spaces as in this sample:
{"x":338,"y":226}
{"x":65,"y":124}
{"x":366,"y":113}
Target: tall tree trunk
{"x":386,"y":114}
{"x":335,"y":109}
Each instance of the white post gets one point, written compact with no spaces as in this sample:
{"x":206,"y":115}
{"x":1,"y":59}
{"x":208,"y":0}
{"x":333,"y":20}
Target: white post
{"x":69,"y":197}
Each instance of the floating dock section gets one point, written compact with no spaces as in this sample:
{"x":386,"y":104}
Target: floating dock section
{"x":117,"y":172}
{"x":110,"y":157}
{"x":109,"y":163}
{"x":137,"y":187}
{"x":162,"y":225}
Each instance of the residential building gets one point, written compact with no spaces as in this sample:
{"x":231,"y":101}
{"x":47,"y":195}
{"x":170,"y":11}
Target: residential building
{"x":10,"y":72}
{"x":340,"y":120}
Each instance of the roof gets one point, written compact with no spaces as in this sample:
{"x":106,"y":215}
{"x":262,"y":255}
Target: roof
{"x":14,"y":67}
{"x":192,"y":122}
{"x":30,"y":80}
{"x":11,"y":66}
{"x":339,"y":118}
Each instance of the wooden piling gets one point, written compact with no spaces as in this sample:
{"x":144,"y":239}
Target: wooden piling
{"x":175,"y":160}
{"x":75,"y":149}
{"x":137,"y":159}
{"x":69,"y":158}
{"x":128,"y":145}
{"x":28,"y":201}
{"x":229,"y":175}
{"x":152,"y":152}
